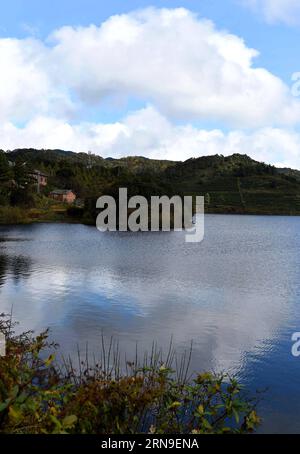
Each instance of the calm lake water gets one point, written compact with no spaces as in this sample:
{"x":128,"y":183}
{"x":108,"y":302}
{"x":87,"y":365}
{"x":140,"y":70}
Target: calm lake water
{"x":236,"y":295}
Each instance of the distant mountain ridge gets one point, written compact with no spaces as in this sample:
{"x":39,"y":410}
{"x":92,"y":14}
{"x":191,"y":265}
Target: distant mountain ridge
{"x":58,"y":154}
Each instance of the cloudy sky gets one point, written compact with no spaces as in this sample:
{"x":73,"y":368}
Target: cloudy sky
{"x":163,"y":79}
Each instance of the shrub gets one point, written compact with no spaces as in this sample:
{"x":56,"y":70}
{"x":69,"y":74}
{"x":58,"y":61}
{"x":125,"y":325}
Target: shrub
{"x":12,"y":215}
{"x":22,"y":197}
{"x":38,"y":396}
{"x":75,"y":212}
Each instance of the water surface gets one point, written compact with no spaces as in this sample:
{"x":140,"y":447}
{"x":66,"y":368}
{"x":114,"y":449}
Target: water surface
{"x":236,"y":295}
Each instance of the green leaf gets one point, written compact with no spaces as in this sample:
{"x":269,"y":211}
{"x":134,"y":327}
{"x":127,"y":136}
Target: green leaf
{"x":174,"y":405}
{"x":4,"y":405}
{"x":236,"y":415}
{"x":69,"y":421}
{"x":50,"y":360}
{"x":200,"y":409}
{"x":15,"y":414}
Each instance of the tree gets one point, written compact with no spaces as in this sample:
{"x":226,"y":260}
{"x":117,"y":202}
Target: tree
{"x":5,"y":171}
{"x":22,"y":192}
{"x":5,"y":177}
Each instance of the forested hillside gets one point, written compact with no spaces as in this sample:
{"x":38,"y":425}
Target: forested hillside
{"x":234,"y":184}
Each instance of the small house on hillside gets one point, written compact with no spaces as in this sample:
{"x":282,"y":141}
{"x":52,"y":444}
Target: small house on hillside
{"x":63,"y":195}
{"x":40,"y":178}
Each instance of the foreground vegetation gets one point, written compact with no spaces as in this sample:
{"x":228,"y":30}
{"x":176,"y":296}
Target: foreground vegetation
{"x":37,"y":396}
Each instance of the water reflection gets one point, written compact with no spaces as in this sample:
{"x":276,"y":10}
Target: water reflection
{"x":17,"y":268}
{"x":236,"y":294}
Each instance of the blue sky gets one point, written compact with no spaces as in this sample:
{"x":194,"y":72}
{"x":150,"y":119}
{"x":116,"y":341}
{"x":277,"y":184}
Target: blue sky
{"x":121,"y":110}
{"x":277,"y":43}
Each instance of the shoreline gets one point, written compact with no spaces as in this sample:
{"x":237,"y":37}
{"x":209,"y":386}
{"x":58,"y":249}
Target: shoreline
{"x":46,"y":220}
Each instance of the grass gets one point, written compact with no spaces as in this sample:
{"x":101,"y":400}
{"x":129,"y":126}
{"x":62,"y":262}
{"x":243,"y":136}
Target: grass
{"x":13,"y":215}
{"x":45,"y":212}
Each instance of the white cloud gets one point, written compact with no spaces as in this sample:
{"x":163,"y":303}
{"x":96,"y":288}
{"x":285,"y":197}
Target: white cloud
{"x":26,"y":88}
{"x":285,"y":11}
{"x":176,"y":60}
{"x":172,"y":58}
{"x":148,"y":133}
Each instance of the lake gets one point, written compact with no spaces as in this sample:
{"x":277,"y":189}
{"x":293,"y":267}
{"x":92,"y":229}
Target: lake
{"x":236,"y":295}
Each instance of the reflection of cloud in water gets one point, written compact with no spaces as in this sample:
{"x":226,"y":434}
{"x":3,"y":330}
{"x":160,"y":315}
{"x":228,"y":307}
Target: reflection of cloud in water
{"x":224,"y":324}
{"x":146,"y":287}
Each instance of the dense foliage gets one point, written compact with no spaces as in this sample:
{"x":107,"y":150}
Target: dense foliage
{"x":39,"y":397}
{"x":234,"y":184}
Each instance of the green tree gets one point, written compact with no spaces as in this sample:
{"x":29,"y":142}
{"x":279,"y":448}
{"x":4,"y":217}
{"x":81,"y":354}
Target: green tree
{"x":22,"y":192}
{"x":5,"y":177}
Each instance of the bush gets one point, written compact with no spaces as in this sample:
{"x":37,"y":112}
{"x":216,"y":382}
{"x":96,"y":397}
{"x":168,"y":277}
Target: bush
{"x":12,"y":215}
{"x":23,"y":198}
{"x":37,"y":396}
{"x":75,"y":212}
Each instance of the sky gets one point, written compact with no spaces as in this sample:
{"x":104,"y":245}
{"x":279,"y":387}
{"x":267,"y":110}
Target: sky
{"x":161,"y":79}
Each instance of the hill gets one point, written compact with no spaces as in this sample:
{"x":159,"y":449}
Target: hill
{"x":234,"y":184}
{"x":239,"y":184}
